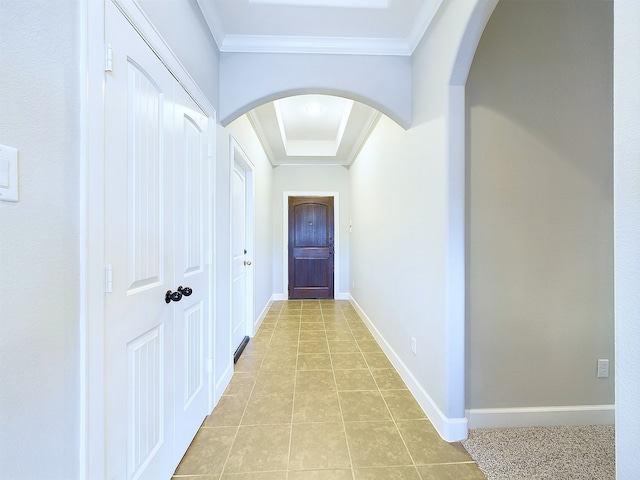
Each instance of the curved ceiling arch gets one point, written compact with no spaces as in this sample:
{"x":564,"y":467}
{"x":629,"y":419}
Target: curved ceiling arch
{"x":312,"y":126}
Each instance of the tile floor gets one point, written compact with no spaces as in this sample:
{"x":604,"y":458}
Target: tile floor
{"x":314,"y":397}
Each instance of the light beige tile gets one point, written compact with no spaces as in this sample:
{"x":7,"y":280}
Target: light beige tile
{"x":253,"y":476}
{"x":208,"y":451}
{"x":259,"y":448}
{"x":270,"y":318}
{"x":275,"y":408}
{"x":196,"y":477}
{"x":339,"y":335}
{"x":315,"y":381}
{"x":361,"y":333}
{"x":241,"y":384}
{"x":388,"y":379}
{"x":311,"y":316}
{"x":369,"y":346}
{"x":348,"y":361}
{"x":314,"y":361}
{"x":387,"y":473}
{"x":427,"y":447}
{"x":275,"y":381}
{"x":312,"y":326}
{"x":228,"y":412}
{"x":321,"y":475}
{"x":376,"y":444}
{"x":285,"y":336}
{"x":354,"y":380}
{"x":363,"y":406}
{"x":377,"y":360}
{"x":316,"y":406}
{"x":402,"y":405}
{"x":248,"y":362}
{"x":316,"y":346}
{"x":452,"y":471}
{"x":343,"y":346}
{"x":312,"y":335}
{"x":318,"y":446}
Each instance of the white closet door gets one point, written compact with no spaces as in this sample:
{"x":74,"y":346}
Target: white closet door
{"x":191,"y":268}
{"x":155,"y":388}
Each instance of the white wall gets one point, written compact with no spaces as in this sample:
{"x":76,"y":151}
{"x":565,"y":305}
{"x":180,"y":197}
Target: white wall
{"x":540,"y":206}
{"x":627,"y":232}
{"x":185,"y":30}
{"x":262,"y":258}
{"x":383,"y":82}
{"x":311,"y":178}
{"x":401,"y":246}
{"x":40,"y":95}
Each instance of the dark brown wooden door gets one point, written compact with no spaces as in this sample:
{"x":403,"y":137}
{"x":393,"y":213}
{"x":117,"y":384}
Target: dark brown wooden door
{"x":311,"y":247}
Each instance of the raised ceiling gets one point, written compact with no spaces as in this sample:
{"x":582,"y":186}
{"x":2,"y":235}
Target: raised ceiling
{"x":290,"y":130}
{"x":375,"y":27}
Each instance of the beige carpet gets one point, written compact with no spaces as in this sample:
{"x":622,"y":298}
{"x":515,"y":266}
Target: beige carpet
{"x":544,"y":453}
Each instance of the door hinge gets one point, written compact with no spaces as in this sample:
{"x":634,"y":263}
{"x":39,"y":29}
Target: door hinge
{"x":108,"y":60}
{"x":108,"y":279}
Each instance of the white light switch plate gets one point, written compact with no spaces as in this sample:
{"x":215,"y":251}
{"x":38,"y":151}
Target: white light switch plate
{"x":8,"y":174}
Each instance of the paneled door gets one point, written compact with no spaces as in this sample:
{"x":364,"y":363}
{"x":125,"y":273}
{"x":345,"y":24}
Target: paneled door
{"x":240,"y":261}
{"x":155,"y":360}
{"x":311,"y":247}
{"x":191,"y":268}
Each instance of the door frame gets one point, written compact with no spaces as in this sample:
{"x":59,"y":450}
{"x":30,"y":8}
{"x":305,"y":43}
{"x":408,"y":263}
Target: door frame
{"x":336,"y":235}
{"x":92,"y":459}
{"x":238,"y":157}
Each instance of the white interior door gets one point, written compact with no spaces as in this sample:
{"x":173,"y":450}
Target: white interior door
{"x":239,"y":258}
{"x":155,"y":360}
{"x":191,"y":269}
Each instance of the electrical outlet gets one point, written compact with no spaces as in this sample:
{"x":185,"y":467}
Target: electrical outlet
{"x":603,"y":368}
{"x":353,"y":285}
{"x":413,"y":345}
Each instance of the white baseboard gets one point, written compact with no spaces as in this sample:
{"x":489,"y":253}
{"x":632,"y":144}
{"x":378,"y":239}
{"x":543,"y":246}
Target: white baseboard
{"x":541,"y":416}
{"x":450,"y":429}
{"x":222,"y":383}
{"x":260,"y":319}
{"x":276,"y":297}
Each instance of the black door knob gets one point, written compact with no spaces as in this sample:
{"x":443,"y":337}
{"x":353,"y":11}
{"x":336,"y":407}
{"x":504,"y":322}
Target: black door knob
{"x":175,"y":296}
{"x":186,"y":291}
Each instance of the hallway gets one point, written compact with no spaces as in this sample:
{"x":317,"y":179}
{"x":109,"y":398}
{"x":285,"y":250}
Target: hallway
{"x":314,"y":397}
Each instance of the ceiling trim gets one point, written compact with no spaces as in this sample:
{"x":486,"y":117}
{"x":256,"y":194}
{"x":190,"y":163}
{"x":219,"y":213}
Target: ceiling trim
{"x":257,"y":127}
{"x":424,"y":19}
{"x":374,"y":4}
{"x":315,"y":45}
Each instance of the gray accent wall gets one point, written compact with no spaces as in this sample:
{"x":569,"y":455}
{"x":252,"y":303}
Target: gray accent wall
{"x":540,"y":206}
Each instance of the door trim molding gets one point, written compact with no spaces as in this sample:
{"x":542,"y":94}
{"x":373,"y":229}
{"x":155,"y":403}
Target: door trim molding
{"x":285,"y":240}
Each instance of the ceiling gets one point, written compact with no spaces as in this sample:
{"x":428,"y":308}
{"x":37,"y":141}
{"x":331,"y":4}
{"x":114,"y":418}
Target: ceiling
{"x":290,"y":130}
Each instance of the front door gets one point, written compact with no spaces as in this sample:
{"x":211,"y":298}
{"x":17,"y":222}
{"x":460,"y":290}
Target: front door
{"x":311,"y":245}
{"x":155,"y":360}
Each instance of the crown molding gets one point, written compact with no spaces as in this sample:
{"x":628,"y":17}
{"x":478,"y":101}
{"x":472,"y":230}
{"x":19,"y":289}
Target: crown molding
{"x":315,"y":45}
{"x":423,"y":20}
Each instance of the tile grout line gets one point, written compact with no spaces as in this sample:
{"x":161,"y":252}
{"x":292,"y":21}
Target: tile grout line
{"x":413,"y":463}
{"x":293,"y":401}
{"x":244,"y":411}
{"x":344,"y":426}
